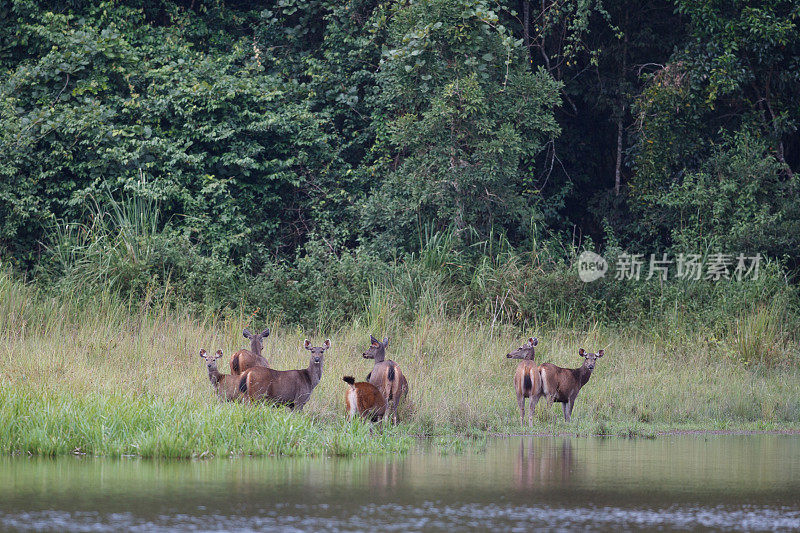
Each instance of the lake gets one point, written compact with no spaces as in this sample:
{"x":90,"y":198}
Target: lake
{"x":729,"y":482}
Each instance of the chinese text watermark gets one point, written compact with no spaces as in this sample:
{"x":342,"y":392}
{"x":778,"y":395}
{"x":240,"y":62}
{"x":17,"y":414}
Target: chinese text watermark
{"x":714,"y":267}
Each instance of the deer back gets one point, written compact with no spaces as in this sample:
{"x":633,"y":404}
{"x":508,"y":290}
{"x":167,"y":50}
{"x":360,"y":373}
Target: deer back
{"x":244,"y":360}
{"x":282,"y":386}
{"x":557,"y":383}
{"x":387,"y":377}
{"x":228,"y":387}
{"x":365,"y":399}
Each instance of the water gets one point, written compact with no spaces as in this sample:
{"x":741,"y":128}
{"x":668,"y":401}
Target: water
{"x":515,"y":484}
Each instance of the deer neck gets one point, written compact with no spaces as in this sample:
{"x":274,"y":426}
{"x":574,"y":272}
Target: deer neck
{"x":582,"y":374}
{"x":214,"y":375}
{"x":314,"y":373}
{"x":255,"y":347}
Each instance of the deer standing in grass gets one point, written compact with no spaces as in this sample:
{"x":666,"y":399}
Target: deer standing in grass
{"x":562,"y":385}
{"x":386,"y":375}
{"x":291,"y":388}
{"x":246,"y":359}
{"x":364,"y":399}
{"x":225,"y":385}
{"x":527,"y":382}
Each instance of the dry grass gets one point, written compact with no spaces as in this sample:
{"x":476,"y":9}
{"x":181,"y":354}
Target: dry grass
{"x":459,"y":377}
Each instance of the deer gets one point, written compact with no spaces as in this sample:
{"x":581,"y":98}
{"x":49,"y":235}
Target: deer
{"x":364,"y":399}
{"x":246,"y":359}
{"x":225,"y":385}
{"x":527,"y":381}
{"x":562,"y":385}
{"x":291,"y":388}
{"x":386,"y":375}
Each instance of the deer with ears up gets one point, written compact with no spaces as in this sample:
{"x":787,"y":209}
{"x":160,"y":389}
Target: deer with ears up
{"x":527,"y":381}
{"x":562,"y":385}
{"x":246,"y":359}
{"x":386,"y":375}
{"x":226,"y":385}
{"x":291,"y":388}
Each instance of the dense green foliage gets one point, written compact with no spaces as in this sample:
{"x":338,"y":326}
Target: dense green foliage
{"x":308,"y":159}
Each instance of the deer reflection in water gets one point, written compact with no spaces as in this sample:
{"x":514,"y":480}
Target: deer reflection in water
{"x":386,"y":473}
{"x":543,"y":462}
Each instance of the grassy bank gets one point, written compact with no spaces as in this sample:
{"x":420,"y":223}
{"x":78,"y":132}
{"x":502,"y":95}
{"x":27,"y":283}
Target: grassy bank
{"x":106,"y":378}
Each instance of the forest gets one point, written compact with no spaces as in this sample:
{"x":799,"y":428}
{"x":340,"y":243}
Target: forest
{"x":312,"y":161}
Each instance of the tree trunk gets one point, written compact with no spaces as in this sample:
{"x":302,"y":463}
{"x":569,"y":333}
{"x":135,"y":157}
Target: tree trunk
{"x":621,"y":116}
{"x":526,"y":28}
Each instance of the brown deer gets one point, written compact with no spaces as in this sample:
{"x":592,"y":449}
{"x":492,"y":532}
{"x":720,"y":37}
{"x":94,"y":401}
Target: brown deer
{"x":364,"y":399}
{"x":246,"y":359}
{"x":562,"y":385}
{"x":527,"y":381}
{"x":386,"y":375}
{"x":225,"y":385}
{"x":291,"y":388}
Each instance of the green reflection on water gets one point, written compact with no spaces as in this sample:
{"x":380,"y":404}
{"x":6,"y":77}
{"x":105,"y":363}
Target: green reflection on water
{"x":736,"y":470}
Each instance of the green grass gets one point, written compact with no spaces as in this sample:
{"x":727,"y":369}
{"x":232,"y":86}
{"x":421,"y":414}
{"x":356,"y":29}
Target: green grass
{"x":99,"y":377}
{"x":151,"y":426}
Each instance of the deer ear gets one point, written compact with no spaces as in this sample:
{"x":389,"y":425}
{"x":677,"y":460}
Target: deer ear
{"x":535,"y":341}
{"x":219,"y":354}
{"x":307,"y":344}
{"x":385,"y":342}
{"x":326,"y":344}
{"x":373,"y":340}
{"x":202,"y":353}
{"x":246,"y":333}
{"x":600,"y":353}
{"x":265,"y":333}
{"x":582,"y":352}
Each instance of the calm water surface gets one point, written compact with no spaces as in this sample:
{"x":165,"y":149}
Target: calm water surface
{"x":511,"y":484}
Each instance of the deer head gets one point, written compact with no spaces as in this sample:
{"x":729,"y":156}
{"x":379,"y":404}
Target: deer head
{"x":256,"y":341}
{"x":590,"y":358}
{"x":526,"y":351}
{"x":211,"y":360}
{"x":377,"y":349}
{"x":317,"y":352}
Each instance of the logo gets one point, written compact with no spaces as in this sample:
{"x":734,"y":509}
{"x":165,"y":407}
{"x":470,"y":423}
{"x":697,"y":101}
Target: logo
{"x":591,"y":266}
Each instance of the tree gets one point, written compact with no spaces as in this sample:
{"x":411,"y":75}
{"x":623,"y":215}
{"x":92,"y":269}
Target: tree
{"x":458,"y":112}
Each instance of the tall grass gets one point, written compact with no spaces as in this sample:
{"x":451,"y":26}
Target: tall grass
{"x":105,"y":376}
{"x":105,"y":360}
{"x":114,"y":251}
{"x":760,"y":336}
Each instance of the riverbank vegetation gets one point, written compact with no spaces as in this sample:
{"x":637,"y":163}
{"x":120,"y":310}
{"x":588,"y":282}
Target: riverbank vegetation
{"x":101,"y":376}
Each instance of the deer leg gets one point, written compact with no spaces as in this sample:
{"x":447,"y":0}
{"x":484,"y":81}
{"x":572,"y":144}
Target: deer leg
{"x":565,"y":406}
{"x":532,"y":407}
{"x":521,"y":403}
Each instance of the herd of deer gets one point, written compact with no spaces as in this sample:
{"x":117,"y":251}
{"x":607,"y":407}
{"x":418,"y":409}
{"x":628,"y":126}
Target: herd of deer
{"x":377,"y":398}
{"x":251,"y":379}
